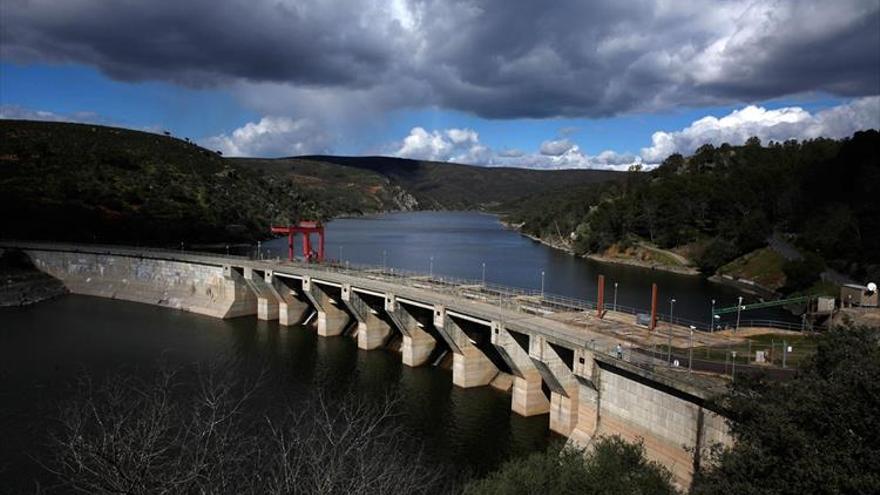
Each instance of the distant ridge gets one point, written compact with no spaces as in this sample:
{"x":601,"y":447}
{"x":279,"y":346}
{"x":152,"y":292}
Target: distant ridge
{"x":458,"y":186}
{"x":86,"y":182}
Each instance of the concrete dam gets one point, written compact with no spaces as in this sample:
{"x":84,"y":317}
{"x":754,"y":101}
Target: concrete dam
{"x":569,"y":372}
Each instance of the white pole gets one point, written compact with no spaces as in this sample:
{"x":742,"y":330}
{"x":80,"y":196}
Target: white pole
{"x":669,"y":340}
{"x":615,"y":296}
{"x":691,"y":350}
{"x":431,"y":267}
{"x":739,"y":306}
{"x":484,"y":274}
{"x":712,"y":319}
{"x":542,"y":283}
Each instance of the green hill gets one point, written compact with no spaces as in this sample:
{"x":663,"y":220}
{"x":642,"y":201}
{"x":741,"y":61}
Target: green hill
{"x":85,"y":182}
{"x":437,"y":185}
{"x":723,"y":202}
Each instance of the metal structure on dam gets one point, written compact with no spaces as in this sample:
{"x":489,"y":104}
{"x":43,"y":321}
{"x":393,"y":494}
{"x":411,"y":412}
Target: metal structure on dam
{"x":557,"y":359}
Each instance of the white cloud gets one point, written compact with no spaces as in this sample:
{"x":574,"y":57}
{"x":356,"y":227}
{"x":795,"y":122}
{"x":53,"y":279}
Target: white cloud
{"x":449,"y":145}
{"x":273,"y":136}
{"x":463,"y":146}
{"x":777,"y":125}
{"x":21,"y":113}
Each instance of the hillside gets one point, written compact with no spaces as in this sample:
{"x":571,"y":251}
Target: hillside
{"x":87,"y":182}
{"x":723,"y":203}
{"x":452,"y":186}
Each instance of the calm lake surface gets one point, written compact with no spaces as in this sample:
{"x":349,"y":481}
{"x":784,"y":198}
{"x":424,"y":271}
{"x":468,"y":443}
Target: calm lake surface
{"x":460,"y":242}
{"x":44,"y":348}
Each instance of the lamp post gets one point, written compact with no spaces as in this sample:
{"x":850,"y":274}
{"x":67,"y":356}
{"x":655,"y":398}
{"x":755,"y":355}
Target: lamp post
{"x":669,"y":337}
{"x":712,"y":318}
{"x":542,"y":283}
{"x":431,"y":267}
{"x":484,"y":274}
{"x":615,"y":296}
{"x":739,"y":306}
{"x":691,"y":350}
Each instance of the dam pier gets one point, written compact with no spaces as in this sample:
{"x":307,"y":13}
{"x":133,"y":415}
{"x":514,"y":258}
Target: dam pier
{"x":552,"y":366}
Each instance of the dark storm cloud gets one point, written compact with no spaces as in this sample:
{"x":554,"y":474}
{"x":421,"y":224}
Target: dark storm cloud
{"x":201,"y":42}
{"x":495,"y":58}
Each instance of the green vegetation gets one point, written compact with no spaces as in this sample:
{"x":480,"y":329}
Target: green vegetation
{"x":452,"y":186}
{"x":728,"y":200}
{"x":814,"y":434}
{"x":612,"y":466}
{"x":764,"y":266}
{"x":100,"y":184}
{"x":93,"y":183}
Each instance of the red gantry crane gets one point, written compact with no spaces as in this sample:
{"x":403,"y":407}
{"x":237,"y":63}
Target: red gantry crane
{"x":306,"y":228}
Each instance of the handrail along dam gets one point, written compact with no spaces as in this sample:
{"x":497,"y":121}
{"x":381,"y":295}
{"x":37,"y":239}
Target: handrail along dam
{"x":556,"y":367}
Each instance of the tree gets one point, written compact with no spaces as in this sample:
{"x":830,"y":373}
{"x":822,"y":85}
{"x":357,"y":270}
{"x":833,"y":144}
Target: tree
{"x":612,"y":466}
{"x":167,"y":434}
{"x":814,"y":434}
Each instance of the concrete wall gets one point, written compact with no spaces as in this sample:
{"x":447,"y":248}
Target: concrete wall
{"x":205,"y":289}
{"x":676,"y":430}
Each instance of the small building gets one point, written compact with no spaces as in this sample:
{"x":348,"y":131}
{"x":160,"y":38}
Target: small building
{"x":858,"y":295}
{"x":824,"y":304}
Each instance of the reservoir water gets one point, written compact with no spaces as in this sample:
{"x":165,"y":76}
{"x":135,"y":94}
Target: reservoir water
{"x":43,"y":348}
{"x":458,"y":244}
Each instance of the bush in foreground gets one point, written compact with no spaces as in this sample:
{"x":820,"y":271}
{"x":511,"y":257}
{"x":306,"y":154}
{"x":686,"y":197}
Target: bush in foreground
{"x":612,"y":466}
{"x":816,"y":434}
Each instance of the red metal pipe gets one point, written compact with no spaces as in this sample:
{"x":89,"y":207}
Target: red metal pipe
{"x":601,"y":303}
{"x":653,"y":306}
{"x":290,"y":241}
{"x":307,"y":247}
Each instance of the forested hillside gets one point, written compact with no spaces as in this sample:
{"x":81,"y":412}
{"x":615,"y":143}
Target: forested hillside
{"x":454,"y":186}
{"x":86,"y":182}
{"x":723,"y":202}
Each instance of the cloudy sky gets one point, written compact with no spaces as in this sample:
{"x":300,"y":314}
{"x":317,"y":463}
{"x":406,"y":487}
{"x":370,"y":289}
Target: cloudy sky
{"x":495,"y":82}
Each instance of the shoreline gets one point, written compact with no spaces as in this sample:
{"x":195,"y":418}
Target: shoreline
{"x":692,"y":272}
